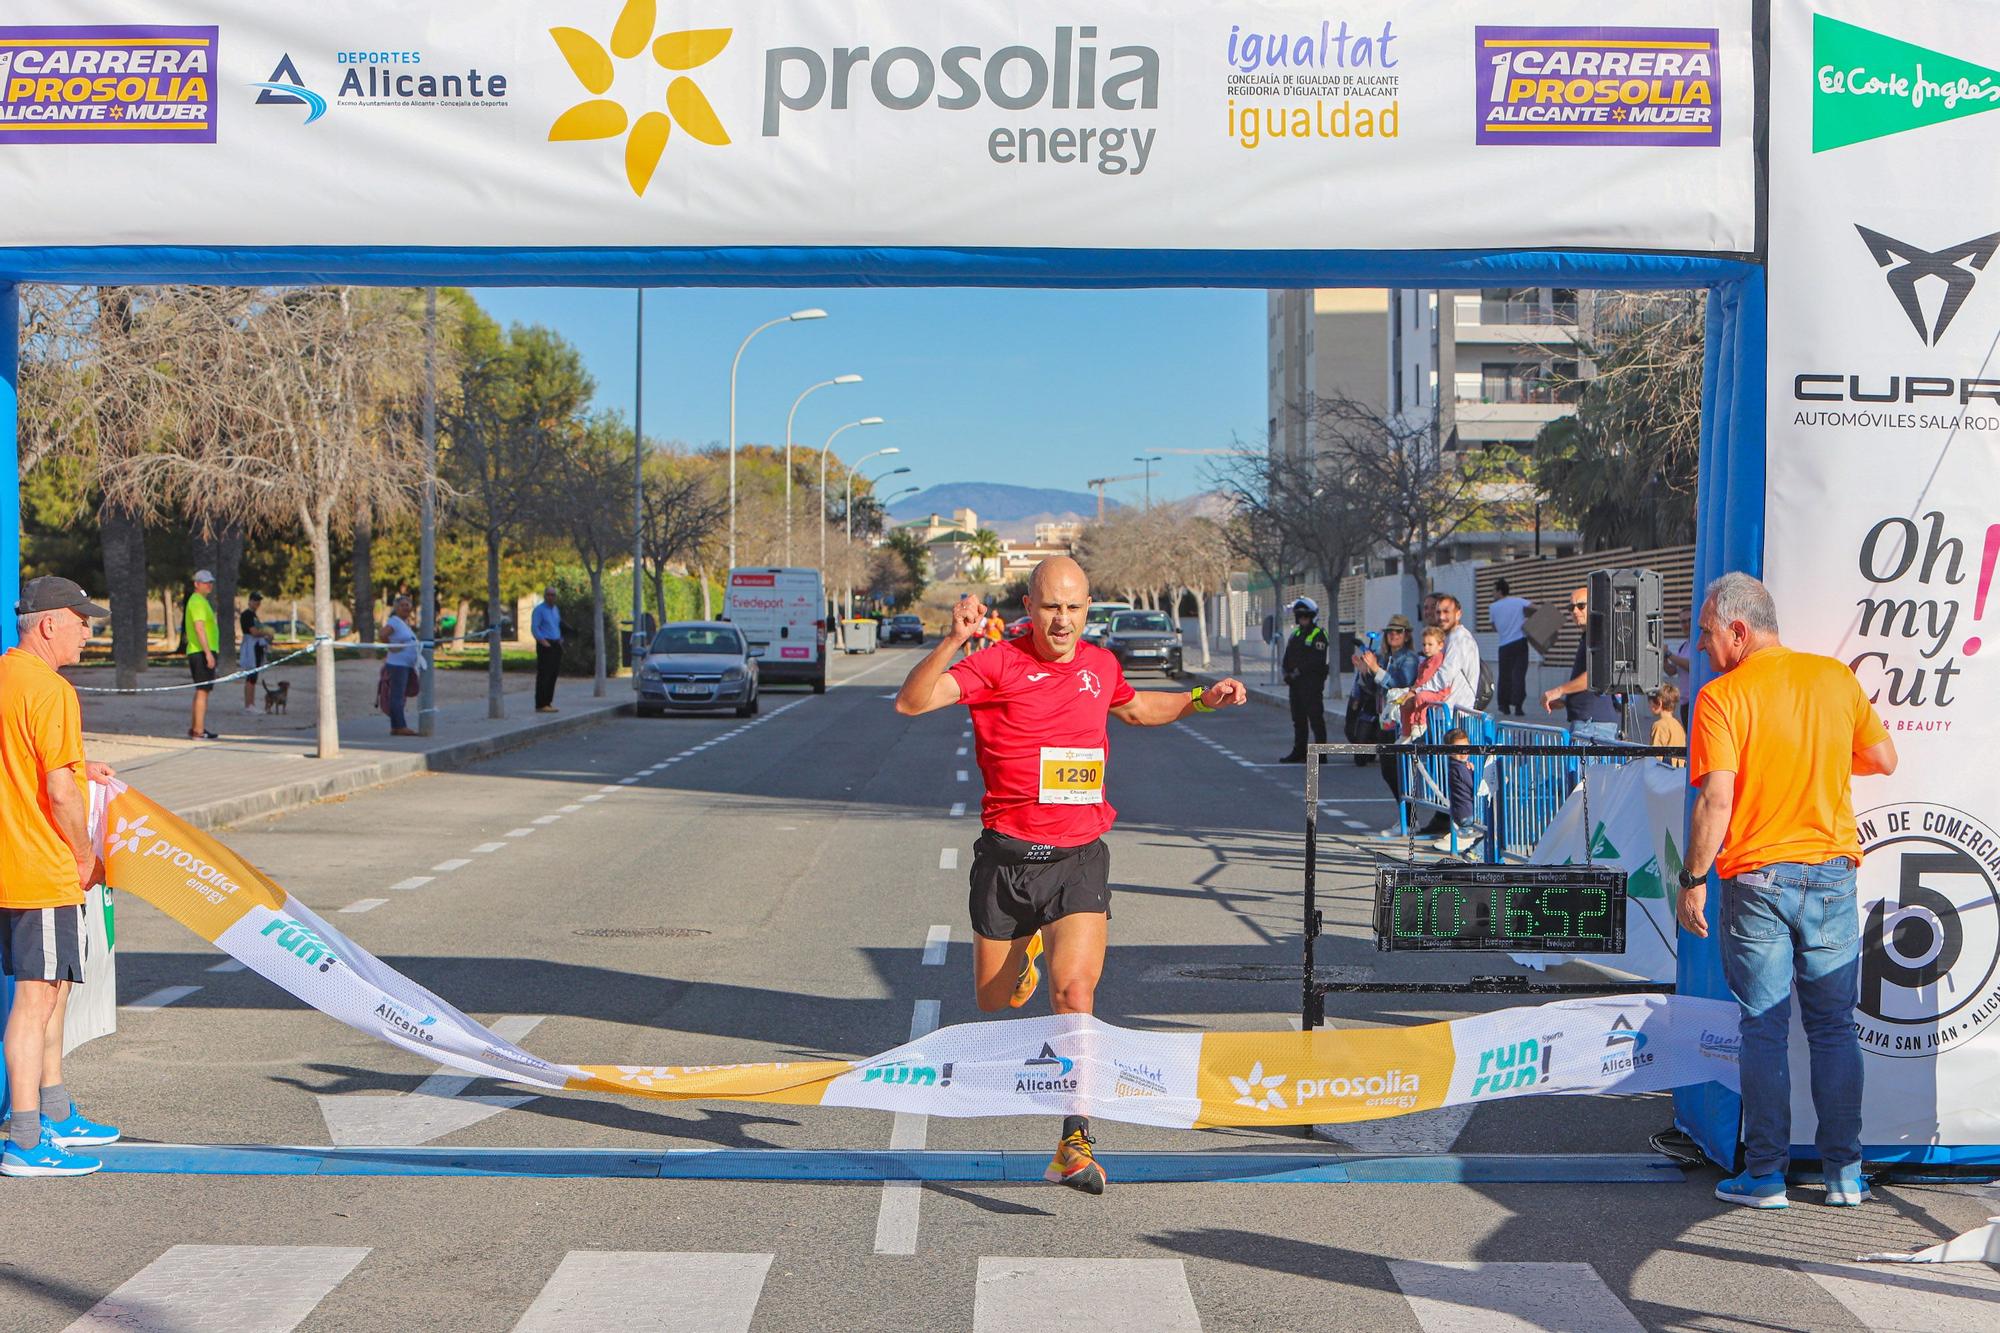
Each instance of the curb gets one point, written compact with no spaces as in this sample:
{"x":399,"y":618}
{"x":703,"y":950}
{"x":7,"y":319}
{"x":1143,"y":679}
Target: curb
{"x":214,"y":815}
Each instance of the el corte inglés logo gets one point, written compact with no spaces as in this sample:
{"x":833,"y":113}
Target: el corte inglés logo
{"x":1867,"y":85}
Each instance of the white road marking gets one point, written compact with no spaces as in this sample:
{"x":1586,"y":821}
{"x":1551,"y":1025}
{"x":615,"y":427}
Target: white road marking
{"x":963,"y":776}
{"x":948,"y":859}
{"x":241,"y":1288}
{"x":1510,"y":1297}
{"x":961,"y":752}
{"x":594,"y":796}
{"x":1353,"y":823}
{"x":519,"y":832}
{"x":413,"y":882}
{"x":649,"y":1293}
{"x":570,"y":809}
{"x":965,"y":735}
{"x":608,"y":791}
{"x":364,"y":905}
{"x":902,"y":1200}
{"x":627,"y":782}
{"x":486,"y":847}
{"x":936,"y":945}
{"x":456,"y":863}
{"x":1125,"y":1296}
{"x":958,"y":809}
{"x":230,"y":965}
{"x":430,"y":1111}
{"x":1937,"y":1298}
{"x":163,"y":997}
{"x":545,"y":819}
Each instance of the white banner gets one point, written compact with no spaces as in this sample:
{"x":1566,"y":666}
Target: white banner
{"x":1883,"y":516}
{"x":1638,"y":813}
{"x":1367,"y":125}
{"x":1064,"y":1065}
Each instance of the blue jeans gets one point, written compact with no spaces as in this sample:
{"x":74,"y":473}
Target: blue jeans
{"x":1789,"y":925}
{"x":1593,"y":731}
{"x":399,"y":684}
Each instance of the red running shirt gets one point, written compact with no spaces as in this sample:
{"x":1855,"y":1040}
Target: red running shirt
{"x":1020,"y":704}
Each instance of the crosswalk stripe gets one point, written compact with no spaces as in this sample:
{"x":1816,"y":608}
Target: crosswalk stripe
{"x":1510,"y":1298}
{"x":640,"y":1292}
{"x":163,"y":997}
{"x":1951,"y":1298}
{"x":1124,"y":1296}
{"x":902,"y":1200}
{"x":241,"y":1288}
{"x":936,"y":945}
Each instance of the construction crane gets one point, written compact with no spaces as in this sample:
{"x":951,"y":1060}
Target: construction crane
{"x":1099,"y":483}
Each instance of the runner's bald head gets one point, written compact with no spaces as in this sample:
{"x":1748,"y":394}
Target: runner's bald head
{"x":1058,"y":579}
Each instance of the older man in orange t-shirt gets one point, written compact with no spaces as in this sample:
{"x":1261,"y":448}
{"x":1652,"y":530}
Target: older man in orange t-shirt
{"x":47,"y":863}
{"x":1777,"y":738}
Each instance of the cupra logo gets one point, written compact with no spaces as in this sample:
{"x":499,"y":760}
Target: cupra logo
{"x":602,"y":117}
{"x":1260,"y":1091}
{"x":1958,"y":267}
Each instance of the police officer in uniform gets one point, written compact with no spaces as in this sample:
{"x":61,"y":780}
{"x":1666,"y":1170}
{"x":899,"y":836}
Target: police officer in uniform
{"x":1305,"y":668}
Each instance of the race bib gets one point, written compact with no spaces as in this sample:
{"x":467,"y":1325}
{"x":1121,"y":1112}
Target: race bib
{"x":1072,"y":776}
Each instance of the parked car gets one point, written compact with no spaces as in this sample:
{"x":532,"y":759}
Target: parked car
{"x":1144,"y":641}
{"x":1018,"y":629}
{"x":693,"y":665}
{"x":898,"y":628}
{"x":287,"y":631}
{"x":1097,"y":620}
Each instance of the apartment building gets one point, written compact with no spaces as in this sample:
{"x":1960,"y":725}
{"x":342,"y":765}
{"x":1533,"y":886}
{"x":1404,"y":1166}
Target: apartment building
{"x":1321,"y":343}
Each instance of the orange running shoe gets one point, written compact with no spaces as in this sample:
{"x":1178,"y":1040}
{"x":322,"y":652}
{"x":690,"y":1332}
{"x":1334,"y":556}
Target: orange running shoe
{"x":1031,"y":976}
{"x":1075,"y":1164}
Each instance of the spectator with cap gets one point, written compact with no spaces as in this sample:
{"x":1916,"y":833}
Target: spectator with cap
{"x":200,"y":633}
{"x":1592,"y":714}
{"x":1394,"y":671}
{"x":1305,"y":668}
{"x":47,"y":864}
{"x":546,"y":625}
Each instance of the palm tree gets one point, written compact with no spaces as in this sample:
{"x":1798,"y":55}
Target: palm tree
{"x":984,"y":548}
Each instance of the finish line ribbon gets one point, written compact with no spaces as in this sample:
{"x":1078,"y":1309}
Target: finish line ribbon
{"x":1069,"y":1064}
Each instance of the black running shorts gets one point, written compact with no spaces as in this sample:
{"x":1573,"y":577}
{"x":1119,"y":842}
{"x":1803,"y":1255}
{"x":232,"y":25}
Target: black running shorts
{"x":203,"y":673}
{"x":1019,"y":887}
{"x":43,"y":943}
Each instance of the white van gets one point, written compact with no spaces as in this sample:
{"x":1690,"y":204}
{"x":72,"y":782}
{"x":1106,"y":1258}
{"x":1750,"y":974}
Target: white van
{"x":782,"y":611}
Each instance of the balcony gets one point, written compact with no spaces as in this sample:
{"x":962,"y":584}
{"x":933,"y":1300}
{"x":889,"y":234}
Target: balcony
{"x":1516,"y":323}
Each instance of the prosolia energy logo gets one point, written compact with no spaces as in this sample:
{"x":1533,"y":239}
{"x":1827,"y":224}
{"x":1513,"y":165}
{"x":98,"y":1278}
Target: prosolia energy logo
{"x":1930,"y":929}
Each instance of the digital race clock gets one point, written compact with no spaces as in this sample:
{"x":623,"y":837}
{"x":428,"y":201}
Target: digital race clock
{"x":1531,"y":909}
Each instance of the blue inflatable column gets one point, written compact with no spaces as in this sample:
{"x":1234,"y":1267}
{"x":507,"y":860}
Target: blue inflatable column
{"x":1729,"y":535}
{"x":10,"y":477}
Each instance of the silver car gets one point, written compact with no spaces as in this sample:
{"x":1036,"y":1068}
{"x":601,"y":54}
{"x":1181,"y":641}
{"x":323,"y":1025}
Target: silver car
{"x":695,"y":665}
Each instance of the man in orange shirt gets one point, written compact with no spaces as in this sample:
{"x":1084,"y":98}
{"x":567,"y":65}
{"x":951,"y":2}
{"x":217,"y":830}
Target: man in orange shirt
{"x":47,"y":862}
{"x":1777,"y":736}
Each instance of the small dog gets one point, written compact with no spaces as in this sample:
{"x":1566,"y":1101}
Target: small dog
{"x":277,"y":696}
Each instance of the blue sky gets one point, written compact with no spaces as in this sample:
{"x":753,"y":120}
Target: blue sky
{"x":1041,"y":388}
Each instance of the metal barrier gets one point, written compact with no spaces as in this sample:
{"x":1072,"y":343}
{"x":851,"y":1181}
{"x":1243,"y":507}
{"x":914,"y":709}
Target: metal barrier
{"x":1516,"y":795}
{"x":1526,"y":783}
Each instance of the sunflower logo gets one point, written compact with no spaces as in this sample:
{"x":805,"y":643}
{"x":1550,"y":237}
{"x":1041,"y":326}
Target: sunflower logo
{"x":602,"y":117}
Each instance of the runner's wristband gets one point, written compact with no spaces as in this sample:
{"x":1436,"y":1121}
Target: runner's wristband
{"x":1194,"y":697}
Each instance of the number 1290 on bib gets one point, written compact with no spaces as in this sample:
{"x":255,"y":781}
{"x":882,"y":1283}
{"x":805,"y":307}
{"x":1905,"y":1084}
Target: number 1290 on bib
{"x":1072,"y":776}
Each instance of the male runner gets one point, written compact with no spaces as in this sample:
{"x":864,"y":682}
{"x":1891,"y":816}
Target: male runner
{"x":1040,"y":869}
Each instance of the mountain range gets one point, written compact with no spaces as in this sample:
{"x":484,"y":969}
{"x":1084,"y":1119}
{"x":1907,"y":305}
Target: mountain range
{"x":1011,"y":511}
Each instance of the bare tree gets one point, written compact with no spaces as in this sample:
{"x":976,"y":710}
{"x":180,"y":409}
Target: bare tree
{"x":1197,"y":561}
{"x":684,"y":511}
{"x":591,"y":505}
{"x":310,"y":438}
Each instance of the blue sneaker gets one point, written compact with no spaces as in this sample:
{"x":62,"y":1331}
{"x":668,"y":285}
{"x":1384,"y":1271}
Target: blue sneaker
{"x":76,"y":1131}
{"x":1845,"y":1188}
{"x":1754,"y":1191}
{"x":44,"y":1159}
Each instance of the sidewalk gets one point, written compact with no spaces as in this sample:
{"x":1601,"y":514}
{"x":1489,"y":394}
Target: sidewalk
{"x":264,"y":762}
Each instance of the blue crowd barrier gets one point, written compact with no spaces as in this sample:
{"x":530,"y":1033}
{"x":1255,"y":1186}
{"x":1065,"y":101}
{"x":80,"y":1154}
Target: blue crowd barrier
{"x":1516,"y":797}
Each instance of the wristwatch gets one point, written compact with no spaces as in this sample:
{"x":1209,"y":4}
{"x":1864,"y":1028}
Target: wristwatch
{"x":1688,"y":881}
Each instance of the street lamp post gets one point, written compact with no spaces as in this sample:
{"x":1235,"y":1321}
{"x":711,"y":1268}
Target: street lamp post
{"x":837,"y":379}
{"x":639,"y":480}
{"x":1148,"y":460}
{"x":892,"y":472}
{"x":814,"y":313}
{"x":892,"y":449}
{"x":427,"y":618}
{"x":824,"y":451}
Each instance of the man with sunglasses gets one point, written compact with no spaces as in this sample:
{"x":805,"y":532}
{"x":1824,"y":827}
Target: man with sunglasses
{"x":1592,"y":714}
{"x":47,"y":863}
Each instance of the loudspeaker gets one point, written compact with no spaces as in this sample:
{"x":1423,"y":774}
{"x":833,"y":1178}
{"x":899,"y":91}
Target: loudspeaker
{"x":1626,"y":631}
